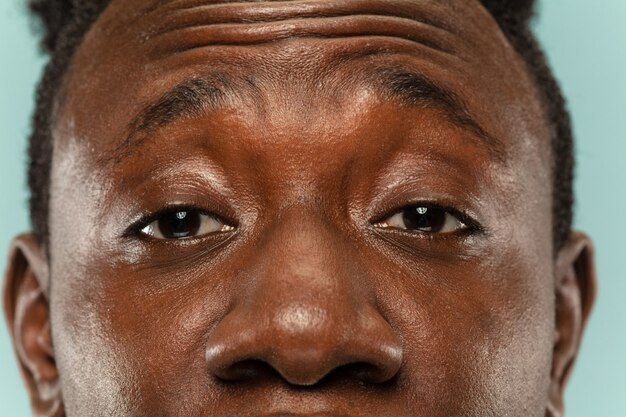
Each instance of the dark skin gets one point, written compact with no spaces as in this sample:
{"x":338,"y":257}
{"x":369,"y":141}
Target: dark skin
{"x":298,"y":208}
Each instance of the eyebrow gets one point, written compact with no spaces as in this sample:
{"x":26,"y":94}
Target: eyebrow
{"x":197,"y":96}
{"x":190,"y":98}
{"x":416,"y":89}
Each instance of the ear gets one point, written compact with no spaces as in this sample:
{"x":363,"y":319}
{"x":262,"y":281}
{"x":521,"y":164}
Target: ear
{"x":575,"y":290}
{"x":27,"y":313}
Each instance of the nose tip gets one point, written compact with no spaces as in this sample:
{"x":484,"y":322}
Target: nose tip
{"x":303,"y":345}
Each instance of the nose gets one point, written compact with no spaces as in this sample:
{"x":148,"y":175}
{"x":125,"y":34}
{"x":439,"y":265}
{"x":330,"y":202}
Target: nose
{"x":306,"y":309}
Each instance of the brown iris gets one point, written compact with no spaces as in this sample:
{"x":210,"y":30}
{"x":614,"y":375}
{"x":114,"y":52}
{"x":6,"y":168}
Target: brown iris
{"x":179,"y":224}
{"x":426,"y":219}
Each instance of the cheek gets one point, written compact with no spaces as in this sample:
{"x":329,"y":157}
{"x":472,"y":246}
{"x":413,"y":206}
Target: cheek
{"x":93,"y":373}
{"x":130,"y":343}
{"x":477,"y":333}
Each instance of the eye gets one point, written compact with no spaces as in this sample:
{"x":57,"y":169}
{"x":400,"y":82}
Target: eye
{"x":182,"y":224}
{"x":425,"y":219}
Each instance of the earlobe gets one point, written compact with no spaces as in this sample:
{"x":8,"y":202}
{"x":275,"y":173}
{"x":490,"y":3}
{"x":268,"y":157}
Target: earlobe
{"x":27,"y":313}
{"x":575,"y":290}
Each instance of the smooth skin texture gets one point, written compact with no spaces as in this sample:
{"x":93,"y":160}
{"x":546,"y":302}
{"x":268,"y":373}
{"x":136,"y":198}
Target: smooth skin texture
{"x":304,"y":208}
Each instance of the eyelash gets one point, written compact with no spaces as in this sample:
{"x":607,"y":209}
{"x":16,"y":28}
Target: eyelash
{"x":135,"y":229}
{"x":472,"y":226}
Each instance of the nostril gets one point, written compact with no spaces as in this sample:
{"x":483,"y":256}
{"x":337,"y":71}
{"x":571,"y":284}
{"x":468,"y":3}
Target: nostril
{"x":374,"y":363}
{"x":252,"y":369}
{"x":369,"y":352}
{"x":247,"y":370}
{"x":360,"y":371}
{"x":302,"y":344}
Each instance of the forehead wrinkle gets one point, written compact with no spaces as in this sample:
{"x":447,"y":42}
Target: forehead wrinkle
{"x":257,"y":23}
{"x":371,"y":27}
{"x":181,"y":14}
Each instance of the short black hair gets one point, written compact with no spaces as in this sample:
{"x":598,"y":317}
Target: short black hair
{"x":63,"y":24}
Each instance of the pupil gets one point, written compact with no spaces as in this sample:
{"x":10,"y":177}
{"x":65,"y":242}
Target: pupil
{"x":179,"y":224}
{"x":424,"y":218}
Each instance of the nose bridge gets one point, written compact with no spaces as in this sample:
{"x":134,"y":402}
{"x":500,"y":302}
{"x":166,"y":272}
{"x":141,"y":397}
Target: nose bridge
{"x":306,"y":308}
{"x":306,"y":260}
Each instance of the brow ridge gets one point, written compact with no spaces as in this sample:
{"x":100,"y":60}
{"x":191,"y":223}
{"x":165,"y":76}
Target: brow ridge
{"x":416,"y":89}
{"x":198,"y":96}
{"x":190,"y":98}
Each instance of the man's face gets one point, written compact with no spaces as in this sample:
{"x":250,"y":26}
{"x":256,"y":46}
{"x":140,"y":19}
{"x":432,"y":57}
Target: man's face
{"x":337,"y":208}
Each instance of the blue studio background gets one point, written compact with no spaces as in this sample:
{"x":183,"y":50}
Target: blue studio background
{"x":586,"y":45}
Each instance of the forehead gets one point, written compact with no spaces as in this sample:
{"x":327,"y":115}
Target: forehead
{"x":137,"y":51}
